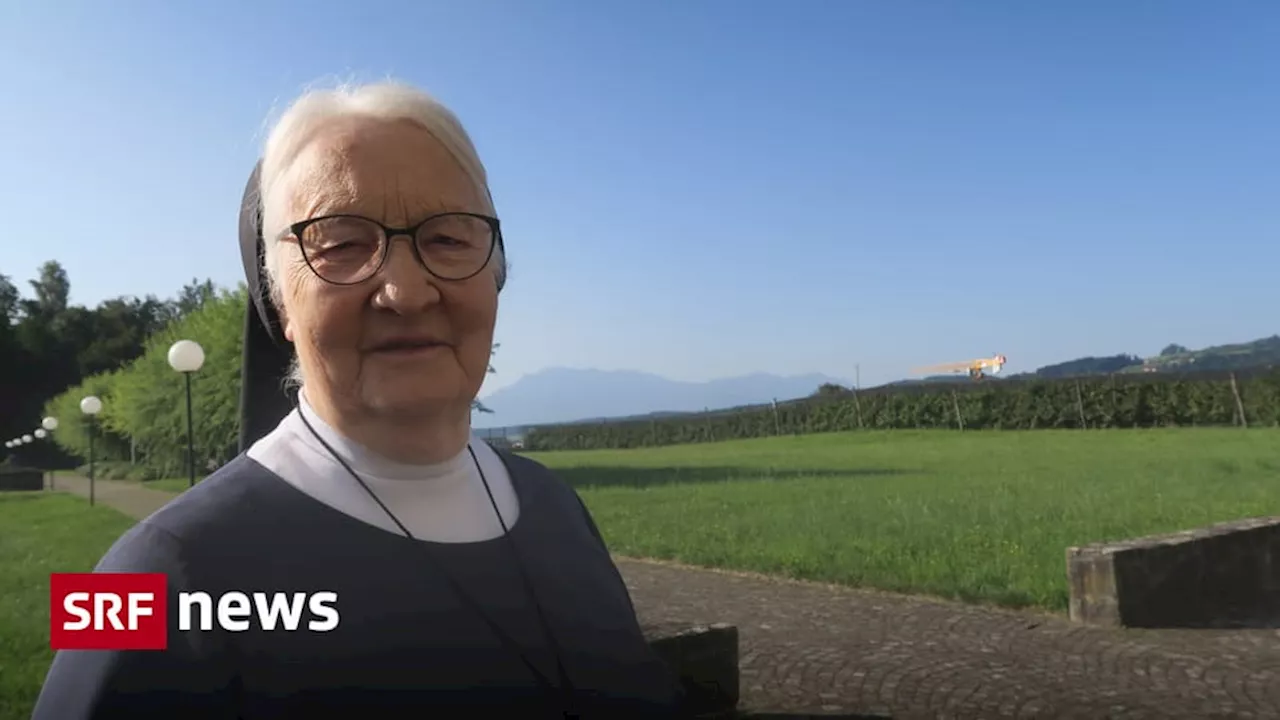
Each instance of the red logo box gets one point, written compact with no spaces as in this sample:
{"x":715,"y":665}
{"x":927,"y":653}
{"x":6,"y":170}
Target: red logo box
{"x":108,"y":611}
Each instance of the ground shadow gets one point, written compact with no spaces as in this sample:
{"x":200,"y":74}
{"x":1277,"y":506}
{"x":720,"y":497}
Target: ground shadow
{"x":596,"y":476}
{"x":808,"y":716}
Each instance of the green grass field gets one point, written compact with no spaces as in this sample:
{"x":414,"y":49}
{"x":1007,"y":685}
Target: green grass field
{"x":40,"y":533}
{"x":979,"y":516}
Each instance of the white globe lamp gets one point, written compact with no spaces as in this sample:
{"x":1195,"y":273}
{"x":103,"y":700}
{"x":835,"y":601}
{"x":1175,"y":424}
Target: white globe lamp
{"x":91,"y":405}
{"x":186,"y":356}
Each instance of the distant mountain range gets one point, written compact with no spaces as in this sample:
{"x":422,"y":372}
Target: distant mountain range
{"x":562,"y":395}
{"x":565,"y":395}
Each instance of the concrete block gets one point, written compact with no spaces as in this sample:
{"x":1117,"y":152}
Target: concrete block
{"x":705,"y":657}
{"x":1222,"y":576}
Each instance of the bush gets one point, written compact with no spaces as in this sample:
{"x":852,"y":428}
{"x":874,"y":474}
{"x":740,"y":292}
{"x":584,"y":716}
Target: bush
{"x":141,"y":473}
{"x":73,"y":426}
{"x":144,"y":403}
{"x":1116,"y":401}
{"x":150,"y":396}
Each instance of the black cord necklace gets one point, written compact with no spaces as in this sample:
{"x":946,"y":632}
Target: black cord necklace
{"x":565,"y":691}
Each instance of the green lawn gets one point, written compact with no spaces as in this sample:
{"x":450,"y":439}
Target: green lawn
{"x":978,"y":516}
{"x":40,"y":533}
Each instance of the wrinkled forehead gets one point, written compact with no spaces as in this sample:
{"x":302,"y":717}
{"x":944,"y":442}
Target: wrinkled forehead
{"x":395,"y":172}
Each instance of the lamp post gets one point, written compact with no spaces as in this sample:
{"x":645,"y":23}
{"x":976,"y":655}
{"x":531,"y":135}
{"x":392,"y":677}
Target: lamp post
{"x":91,"y":406}
{"x":186,"y":356}
{"x":50,"y":424}
{"x":40,"y":434}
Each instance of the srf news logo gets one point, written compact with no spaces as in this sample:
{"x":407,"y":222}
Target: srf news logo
{"x":129,"y":611}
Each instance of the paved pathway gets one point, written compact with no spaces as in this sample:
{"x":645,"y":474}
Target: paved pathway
{"x":814,"y":648}
{"x":130,"y":498}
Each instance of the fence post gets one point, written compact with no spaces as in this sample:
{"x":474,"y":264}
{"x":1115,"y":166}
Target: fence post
{"x":1235,"y":392}
{"x":1084,"y":425}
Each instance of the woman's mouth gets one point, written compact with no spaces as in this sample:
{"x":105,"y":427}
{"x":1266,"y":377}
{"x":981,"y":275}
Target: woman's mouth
{"x":408,"y":348}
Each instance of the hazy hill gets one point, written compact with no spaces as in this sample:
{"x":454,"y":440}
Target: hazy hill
{"x":1263,"y":352}
{"x":560,"y":395}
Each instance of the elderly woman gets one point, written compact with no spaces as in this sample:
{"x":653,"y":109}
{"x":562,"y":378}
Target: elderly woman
{"x":468,"y":580}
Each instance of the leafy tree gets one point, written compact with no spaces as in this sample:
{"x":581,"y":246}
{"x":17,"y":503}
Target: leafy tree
{"x":192,"y":297}
{"x":52,"y":288}
{"x":10,"y":300}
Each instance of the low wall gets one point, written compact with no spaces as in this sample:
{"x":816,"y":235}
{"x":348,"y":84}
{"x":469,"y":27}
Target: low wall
{"x":1221,"y":576}
{"x":14,"y":479}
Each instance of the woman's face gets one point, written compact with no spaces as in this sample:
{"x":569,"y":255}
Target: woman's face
{"x":396,"y":173}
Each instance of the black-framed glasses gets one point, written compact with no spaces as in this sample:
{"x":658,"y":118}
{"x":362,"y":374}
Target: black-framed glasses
{"x":349,"y":249}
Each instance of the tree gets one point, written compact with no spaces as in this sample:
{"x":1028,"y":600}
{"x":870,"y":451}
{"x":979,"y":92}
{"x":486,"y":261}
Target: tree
{"x":10,"y":300}
{"x":193,"y":296}
{"x":48,"y":345}
{"x":52,"y":288}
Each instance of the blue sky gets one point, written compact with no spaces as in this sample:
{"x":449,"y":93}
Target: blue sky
{"x":704,"y":188}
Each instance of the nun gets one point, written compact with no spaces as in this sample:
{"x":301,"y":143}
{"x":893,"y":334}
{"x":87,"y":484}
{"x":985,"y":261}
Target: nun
{"x":462,"y":579}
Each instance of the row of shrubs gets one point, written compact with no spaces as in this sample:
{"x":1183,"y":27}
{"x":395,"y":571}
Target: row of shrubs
{"x":1116,"y":401}
{"x":144,"y":415}
{"x":119,"y":470}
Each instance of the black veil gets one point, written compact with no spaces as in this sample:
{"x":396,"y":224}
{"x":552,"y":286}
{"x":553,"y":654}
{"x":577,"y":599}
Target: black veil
{"x":264,"y":399}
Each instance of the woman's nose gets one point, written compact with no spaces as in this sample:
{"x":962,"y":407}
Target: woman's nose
{"x":406,"y":285}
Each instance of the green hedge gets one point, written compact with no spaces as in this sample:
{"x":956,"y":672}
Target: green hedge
{"x":144,"y":404}
{"x":1117,"y":401}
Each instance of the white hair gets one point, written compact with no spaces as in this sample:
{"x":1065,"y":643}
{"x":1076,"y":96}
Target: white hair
{"x":377,"y":101}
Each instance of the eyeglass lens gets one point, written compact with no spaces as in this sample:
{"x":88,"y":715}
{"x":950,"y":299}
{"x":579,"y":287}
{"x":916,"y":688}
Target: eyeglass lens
{"x":350,"y":249}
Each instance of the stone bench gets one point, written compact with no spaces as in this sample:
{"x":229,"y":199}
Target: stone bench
{"x":1221,"y":576}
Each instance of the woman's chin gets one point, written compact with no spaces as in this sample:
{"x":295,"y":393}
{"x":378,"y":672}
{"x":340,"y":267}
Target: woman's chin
{"x":413,"y":397}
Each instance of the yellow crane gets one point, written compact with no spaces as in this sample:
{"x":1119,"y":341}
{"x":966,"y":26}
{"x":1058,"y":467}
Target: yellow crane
{"x":977,"y":369}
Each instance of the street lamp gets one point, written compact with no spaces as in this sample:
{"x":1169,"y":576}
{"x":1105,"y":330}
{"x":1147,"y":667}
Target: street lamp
{"x":91,"y":406}
{"x":26,"y":439}
{"x":186,"y":356}
{"x":50,"y":424}
{"x":40,"y":434}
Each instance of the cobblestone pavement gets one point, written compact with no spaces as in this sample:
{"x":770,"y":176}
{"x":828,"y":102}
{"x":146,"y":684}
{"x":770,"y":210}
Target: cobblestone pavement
{"x":827,"y":650}
{"x":815,"y":648}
